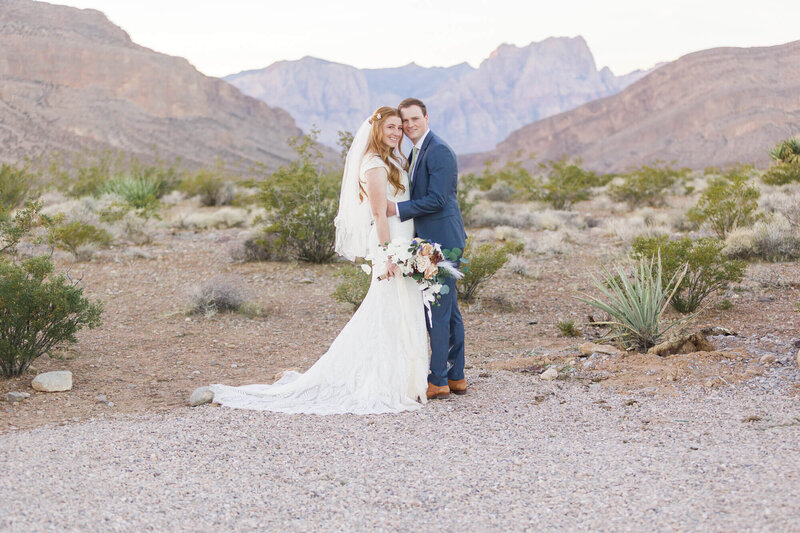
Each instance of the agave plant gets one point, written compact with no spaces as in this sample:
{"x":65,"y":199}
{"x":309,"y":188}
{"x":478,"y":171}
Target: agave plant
{"x":787,"y":151}
{"x":636,"y":304}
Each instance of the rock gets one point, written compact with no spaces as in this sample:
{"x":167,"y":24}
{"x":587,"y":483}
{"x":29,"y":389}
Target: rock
{"x":200,"y":396}
{"x":589,"y":348}
{"x":696,"y":342}
{"x":101,"y":399}
{"x":767,"y":359}
{"x":58,"y":381}
{"x":550,"y":374}
{"x":718,"y":330}
{"x":798,"y":357}
{"x":15,"y":396}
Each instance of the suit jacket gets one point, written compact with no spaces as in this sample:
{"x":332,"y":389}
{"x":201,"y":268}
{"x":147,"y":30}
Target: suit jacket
{"x":434,"y":197}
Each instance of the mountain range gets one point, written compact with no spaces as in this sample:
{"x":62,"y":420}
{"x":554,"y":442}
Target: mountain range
{"x":715,"y":107}
{"x":472,"y":108}
{"x":71,"y":80}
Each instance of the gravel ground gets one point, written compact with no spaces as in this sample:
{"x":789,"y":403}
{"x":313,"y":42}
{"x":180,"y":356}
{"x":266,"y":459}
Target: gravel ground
{"x":516,"y":453}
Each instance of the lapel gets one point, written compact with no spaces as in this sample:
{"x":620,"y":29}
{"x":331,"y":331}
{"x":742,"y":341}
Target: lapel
{"x":421,"y":158}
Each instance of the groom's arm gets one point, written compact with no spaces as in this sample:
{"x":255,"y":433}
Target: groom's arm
{"x":443,"y":178}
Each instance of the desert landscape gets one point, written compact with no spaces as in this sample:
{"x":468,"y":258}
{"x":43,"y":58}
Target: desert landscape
{"x":189,"y":230}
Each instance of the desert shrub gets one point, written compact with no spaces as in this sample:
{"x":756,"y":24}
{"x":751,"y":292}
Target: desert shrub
{"x":255,"y":248}
{"x":73,"y":236}
{"x":566,"y":183}
{"x":353,"y":287}
{"x":773,"y":240}
{"x":90,"y":172}
{"x":466,"y":196}
{"x":513,"y":174}
{"x":568,"y":328}
{"x":500,"y":192}
{"x":225,"y":217}
{"x":551,"y":243}
{"x":636,"y":303}
{"x":482,"y":262}
{"x":787,"y":163}
{"x":728,"y":203}
{"x":647,"y":185}
{"x":218,"y":295}
{"x":708,"y":269}
{"x":210,"y":186}
{"x":303,"y":200}
{"x":40,"y":311}
{"x":15,"y":183}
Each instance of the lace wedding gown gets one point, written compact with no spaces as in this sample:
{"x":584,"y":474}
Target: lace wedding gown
{"x":377,"y":364}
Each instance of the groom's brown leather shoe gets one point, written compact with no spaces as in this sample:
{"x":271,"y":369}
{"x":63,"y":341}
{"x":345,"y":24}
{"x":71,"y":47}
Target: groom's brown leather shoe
{"x":437,"y":392}
{"x":457,"y":387}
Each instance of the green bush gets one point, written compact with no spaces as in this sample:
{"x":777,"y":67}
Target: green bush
{"x":708,"y":269}
{"x":38,"y":311}
{"x":636,"y":304}
{"x":568,"y":328}
{"x":72,"y":236}
{"x":513,"y":174}
{"x":567,"y":183}
{"x":15,"y":183}
{"x":647,"y":185}
{"x":302,"y":200}
{"x":210,"y":186}
{"x":481,"y":264}
{"x":466,"y":203}
{"x":728,"y":203}
{"x":354,"y":286}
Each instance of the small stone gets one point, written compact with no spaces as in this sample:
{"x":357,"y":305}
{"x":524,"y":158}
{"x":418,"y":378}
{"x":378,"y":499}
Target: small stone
{"x":306,"y":280}
{"x":234,"y":365}
{"x":110,"y":404}
{"x":589,"y":348}
{"x":767,"y":359}
{"x":549,"y":375}
{"x":14,"y":396}
{"x":58,"y":381}
{"x":187,"y":319}
{"x":101,"y":398}
{"x":200,"y":396}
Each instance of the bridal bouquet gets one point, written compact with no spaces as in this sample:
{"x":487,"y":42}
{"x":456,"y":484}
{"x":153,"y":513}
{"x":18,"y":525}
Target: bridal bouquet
{"x":423,"y":261}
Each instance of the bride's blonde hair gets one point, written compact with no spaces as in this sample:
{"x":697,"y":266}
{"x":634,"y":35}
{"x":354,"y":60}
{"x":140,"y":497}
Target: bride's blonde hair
{"x":387,"y":154}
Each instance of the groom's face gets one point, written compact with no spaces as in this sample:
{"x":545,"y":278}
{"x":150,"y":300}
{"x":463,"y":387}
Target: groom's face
{"x":415,"y":124}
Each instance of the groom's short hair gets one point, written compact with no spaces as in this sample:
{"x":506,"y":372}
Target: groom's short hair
{"x":408,"y":102}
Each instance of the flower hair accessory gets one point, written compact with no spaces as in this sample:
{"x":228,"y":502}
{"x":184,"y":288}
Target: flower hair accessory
{"x":377,"y":116}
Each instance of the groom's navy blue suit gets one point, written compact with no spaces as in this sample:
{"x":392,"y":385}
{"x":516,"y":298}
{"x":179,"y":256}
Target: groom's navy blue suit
{"x":437,"y":218}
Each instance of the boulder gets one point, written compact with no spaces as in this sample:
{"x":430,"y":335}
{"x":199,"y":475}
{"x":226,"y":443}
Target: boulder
{"x":550,"y":374}
{"x":589,"y":348}
{"x":57,"y":381}
{"x":15,"y":396}
{"x":200,"y":396}
{"x":696,"y":342}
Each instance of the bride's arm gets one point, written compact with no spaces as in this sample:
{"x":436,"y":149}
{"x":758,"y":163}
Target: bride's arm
{"x":376,"y":192}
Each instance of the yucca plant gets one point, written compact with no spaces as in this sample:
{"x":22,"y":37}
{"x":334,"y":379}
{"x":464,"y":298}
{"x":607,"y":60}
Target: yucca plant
{"x":141,"y":193}
{"x":636,"y":304}
{"x":787,"y":151}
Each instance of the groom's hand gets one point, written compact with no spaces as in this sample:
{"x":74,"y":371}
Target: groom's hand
{"x":391,"y":209}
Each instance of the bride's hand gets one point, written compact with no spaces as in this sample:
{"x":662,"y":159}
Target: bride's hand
{"x":391,"y":269}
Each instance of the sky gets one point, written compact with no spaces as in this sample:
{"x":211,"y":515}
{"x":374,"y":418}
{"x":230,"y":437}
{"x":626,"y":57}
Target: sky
{"x":224,"y":37}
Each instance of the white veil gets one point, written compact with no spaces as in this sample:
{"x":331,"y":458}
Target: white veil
{"x":354,"y":217}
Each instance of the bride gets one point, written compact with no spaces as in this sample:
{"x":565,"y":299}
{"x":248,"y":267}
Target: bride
{"x":379,"y":361}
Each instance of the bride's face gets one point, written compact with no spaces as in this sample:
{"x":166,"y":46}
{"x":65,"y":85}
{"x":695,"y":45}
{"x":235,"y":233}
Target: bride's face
{"x":392,"y":131}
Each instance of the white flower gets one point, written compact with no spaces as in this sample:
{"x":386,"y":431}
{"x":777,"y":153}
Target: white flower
{"x":366,"y":268}
{"x":422,"y":262}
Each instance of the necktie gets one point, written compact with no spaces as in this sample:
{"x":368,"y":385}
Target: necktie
{"x":414,"y":152}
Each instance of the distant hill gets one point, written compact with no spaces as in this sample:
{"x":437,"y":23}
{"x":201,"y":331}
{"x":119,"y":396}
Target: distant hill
{"x":715,"y":107}
{"x":70,"y":79}
{"x":472,"y":109}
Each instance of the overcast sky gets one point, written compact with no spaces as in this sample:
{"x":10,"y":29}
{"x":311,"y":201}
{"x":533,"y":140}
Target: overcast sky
{"x":224,"y":37}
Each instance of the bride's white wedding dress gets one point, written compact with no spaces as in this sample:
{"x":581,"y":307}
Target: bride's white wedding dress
{"x":379,"y":361}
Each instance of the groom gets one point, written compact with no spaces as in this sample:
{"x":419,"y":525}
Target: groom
{"x":434,"y":207}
